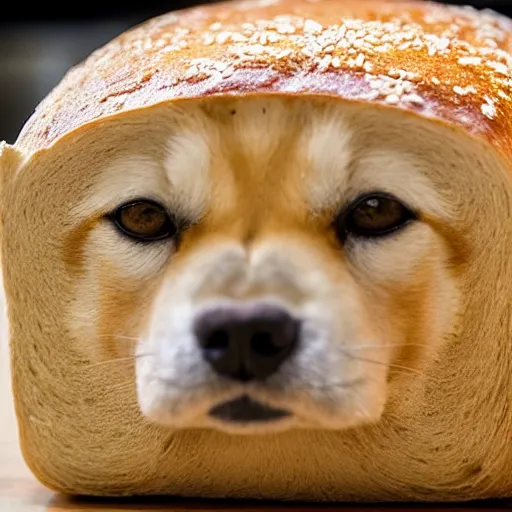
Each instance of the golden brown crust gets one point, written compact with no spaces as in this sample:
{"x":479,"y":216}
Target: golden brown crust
{"x":443,"y":62}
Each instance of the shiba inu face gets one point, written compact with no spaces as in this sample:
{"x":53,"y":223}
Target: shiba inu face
{"x":276,"y":263}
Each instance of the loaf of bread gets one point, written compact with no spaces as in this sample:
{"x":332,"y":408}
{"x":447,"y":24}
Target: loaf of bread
{"x":427,"y":85}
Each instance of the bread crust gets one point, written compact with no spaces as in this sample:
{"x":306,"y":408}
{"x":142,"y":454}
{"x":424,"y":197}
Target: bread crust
{"x":447,"y":63}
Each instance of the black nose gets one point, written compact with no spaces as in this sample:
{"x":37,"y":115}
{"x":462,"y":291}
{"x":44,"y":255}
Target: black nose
{"x":246,"y":342}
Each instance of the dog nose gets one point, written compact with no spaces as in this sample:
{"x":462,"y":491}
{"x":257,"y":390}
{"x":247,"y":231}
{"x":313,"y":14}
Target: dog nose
{"x":246,"y":342}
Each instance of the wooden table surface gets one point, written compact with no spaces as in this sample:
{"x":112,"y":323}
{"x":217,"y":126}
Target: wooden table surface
{"x":19,"y":491}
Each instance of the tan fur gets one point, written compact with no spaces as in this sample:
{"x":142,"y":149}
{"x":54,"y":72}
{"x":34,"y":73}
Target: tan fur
{"x":423,"y":318}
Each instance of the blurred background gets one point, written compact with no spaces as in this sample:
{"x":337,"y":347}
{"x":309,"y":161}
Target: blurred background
{"x":41,"y":40}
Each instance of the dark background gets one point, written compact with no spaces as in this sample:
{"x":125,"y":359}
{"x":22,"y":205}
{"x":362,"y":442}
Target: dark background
{"x":39,"y":41}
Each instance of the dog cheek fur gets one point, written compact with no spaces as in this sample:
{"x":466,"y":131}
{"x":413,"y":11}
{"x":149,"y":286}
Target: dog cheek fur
{"x":420,"y":306}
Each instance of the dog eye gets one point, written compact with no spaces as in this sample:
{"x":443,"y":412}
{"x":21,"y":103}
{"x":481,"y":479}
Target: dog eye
{"x":373,"y":216}
{"x":145,"y":221}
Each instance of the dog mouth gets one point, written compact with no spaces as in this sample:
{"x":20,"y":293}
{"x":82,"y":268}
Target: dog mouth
{"x":246,"y":410}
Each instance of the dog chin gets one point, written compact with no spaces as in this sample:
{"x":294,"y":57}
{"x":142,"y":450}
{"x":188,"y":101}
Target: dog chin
{"x":290,"y":421}
{"x":246,"y":414}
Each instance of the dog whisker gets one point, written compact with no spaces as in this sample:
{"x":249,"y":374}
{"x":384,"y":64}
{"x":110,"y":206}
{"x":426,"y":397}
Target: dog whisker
{"x":122,"y":386}
{"x":385,"y":346}
{"x":171,"y":383}
{"x":389,"y":365}
{"x":342,"y":384}
{"x":118,"y":336}
{"x":118,"y":360}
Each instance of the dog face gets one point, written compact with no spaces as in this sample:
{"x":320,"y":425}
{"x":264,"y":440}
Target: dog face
{"x":269,"y":265}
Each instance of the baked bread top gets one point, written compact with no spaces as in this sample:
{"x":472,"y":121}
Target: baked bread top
{"x":447,"y":63}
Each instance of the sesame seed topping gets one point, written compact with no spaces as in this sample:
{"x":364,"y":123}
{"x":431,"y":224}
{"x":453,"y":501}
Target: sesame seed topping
{"x":360,"y":60}
{"x":368,"y":67}
{"x":312,"y":26}
{"x":414,"y":98}
{"x":470,"y":61}
{"x":405,"y":57}
{"x":222,"y":37}
{"x":392,"y":99}
{"x":336,"y":62}
{"x":499,"y":67}
{"x":488,"y":110}
{"x":325,"y":62}
{"x":464,"y":91}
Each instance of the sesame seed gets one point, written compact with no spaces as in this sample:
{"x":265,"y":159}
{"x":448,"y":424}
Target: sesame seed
{"x":413,"y":77}
{"x":238,"y":38}
{"x":498,"y":67}
{"x":404,"y":46}
{"x":222,"y":37}
{"x":368,"y":66}
{"x":376,"y":83}
{"x":470,"y":61}
{"x":273,"y":38}
{"x":392,"y":99}
{"x":325,"y":62}
{"x":464,"y":91}
{"x":488,"y":110}
{"x":371,"y":95}
{"x":443,"y":43}
{"x":283,"y":54}
{"x":414,"y":98}
{"x":208,"y":39}
{"x":191,"y":71}
{"x":227,"y":72}
{"x":285,"y":28}
{"x":312,"y":26}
